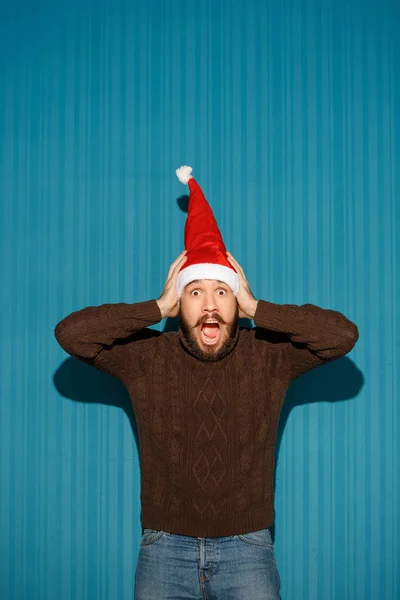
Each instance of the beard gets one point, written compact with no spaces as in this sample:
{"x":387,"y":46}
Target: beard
{"x":209,"y":354}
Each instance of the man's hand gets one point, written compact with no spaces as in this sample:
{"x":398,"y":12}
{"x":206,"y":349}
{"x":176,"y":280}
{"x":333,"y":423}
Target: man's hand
{"x":168,"y":301}
{"x":247,"y":302}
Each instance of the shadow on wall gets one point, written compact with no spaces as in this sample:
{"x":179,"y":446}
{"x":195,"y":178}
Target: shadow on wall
{"x":336,"y":381}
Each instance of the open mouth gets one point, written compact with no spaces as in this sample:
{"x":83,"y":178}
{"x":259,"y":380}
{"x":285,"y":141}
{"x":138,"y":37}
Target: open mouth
{"x":210,"y":332}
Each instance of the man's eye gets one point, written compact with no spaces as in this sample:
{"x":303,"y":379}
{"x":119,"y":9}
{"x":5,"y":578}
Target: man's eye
{"x":194,"y":292}
{"x":221,"y":292}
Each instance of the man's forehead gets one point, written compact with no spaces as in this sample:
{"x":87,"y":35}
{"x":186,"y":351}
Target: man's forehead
{"x":201,"y":280}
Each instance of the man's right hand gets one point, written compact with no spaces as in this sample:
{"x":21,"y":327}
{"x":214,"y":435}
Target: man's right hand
{"x":168,"y":301}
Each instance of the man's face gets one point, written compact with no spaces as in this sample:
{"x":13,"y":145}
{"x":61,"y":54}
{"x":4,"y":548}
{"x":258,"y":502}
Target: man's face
{"x":208,"y":318}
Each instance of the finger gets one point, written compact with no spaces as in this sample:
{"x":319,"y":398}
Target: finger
{"x":177,"y":267}
{"x":178,"y":258}
{"x":241,"y":270}
{"x":232,"y":259}
{"x":236,"y":264}
{"x":176,"y":261}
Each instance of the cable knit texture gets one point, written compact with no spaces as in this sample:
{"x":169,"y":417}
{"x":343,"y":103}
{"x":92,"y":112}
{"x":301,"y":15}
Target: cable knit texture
{"x":207,"y":430}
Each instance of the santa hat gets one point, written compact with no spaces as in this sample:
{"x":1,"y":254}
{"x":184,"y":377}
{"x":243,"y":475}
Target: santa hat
{"x":206,"y":252}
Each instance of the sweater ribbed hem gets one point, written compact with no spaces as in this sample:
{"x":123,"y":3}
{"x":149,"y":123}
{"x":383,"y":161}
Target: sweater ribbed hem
{"x":254,"y":519}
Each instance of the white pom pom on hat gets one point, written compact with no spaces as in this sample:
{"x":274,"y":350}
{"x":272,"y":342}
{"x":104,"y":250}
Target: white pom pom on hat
{"x":206,"y":252}
{"x":184,"y":174}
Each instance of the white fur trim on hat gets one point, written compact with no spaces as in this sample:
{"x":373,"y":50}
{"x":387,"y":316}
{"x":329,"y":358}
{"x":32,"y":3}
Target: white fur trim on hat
{"x":207,"y":271}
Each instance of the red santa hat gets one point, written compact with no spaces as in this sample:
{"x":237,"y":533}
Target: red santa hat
{"x":206,"y":252}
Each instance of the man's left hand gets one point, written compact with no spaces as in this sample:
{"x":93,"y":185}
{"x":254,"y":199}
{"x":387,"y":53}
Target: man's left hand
{"x":247,"y":302}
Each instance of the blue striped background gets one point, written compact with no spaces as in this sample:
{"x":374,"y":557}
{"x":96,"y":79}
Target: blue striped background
{"x":289,"y":113}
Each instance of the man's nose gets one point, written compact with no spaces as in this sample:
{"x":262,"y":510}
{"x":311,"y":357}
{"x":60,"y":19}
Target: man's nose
{"x":209,"y":304}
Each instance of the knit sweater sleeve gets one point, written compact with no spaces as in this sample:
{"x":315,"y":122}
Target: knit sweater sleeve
{"x":111,"y":337}
{"x":316,"y":335}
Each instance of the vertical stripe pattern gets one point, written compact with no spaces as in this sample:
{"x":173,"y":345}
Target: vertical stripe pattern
{"x":289,"y":114}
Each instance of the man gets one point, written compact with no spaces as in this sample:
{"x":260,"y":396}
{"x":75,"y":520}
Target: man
{"x":207,"y":401}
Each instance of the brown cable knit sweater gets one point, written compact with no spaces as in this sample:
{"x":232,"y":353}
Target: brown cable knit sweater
{"x":207,"y":430}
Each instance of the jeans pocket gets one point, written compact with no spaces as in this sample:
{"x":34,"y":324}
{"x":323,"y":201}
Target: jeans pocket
{"x":262,"y":538}
{"x":150,"y":536}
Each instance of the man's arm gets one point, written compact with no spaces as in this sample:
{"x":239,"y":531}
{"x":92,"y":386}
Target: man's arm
{"x":317,"y":335}
{"x":102,"y":335}
{"x":99,"y":335}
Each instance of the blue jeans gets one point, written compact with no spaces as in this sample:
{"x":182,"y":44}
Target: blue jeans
{"x":180,"y":567}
